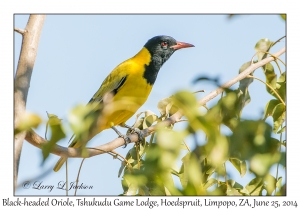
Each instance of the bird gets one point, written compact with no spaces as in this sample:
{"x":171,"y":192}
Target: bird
{"x":128,"y":86}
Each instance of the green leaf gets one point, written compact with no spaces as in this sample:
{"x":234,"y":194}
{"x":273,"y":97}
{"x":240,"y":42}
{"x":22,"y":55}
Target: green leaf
{"x":27,"y":121}
{"x":149,"y":119}
{"x":283,"y":159}
{"x":57,"y":133}
{"x":210,"y":183}
{"x":210,"y":171}
{"x":278,"y":116}
{"x":183,"y":175}
{"x":221,"y":189}
{"x":270,"y":184}
{"x":269,"y":109}
{"x":128,"y":157}
{"x":163,"y":105}
{"x":260,"y":164}
{"x":271,"y":77}
{"x":130,"y":160}
{"x":243,"y":99}
{"x":282,"y":191}
{"x":124,"y":185}
{"x":243,"y":90}
{"x":281,"y":86}
{"x":233,"y":188}
{"x":133,"y":154}
{"x":254,"y":187}
{"x":207,"y":169}
{"x":143,"y":190}
{"x":218,"y":153}
{"x":252,"y":137}
{"x":281,"y":130}
{"x":194,"y":185}
{"x":224,"y":112}
{"x":279,"y":182}
{"x":166,"y":107}
{"x":187,"y":102}
{"x":133,"y":182}
{"x":239,"y":165}
{"x":157,"y":189}
{"x":261,"y":47}
{"x":235,"y":184}
{"x":167,"y":192}
{"x":138,"y":122}
{"x":246,"y":81}
{"x":232,"y":191}
{"x":169,"y":144}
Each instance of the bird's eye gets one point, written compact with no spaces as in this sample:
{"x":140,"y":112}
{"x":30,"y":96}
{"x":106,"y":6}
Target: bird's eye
{"x":164,"y":44}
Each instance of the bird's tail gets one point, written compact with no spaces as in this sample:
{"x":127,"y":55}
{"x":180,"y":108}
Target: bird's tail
{"x":75,"y":141}
{"x":59,"y":164}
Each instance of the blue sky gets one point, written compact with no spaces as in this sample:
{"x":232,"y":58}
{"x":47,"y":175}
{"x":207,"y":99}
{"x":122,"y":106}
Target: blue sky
{"x":76,"y":52}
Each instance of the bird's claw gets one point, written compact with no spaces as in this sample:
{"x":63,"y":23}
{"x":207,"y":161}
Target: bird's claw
{"x":139,"y":133}
{"x":127,"y":140}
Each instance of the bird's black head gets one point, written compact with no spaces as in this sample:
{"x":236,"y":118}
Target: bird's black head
{"x":162,"y":47}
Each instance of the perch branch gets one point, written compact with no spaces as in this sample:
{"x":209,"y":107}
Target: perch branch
{"x":38,"y":141}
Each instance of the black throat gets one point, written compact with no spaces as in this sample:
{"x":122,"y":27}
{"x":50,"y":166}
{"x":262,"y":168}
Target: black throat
{"x":155,"y":64}
{"x":153,"y":68}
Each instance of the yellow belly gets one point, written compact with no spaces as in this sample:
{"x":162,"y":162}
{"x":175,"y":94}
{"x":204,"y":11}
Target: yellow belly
{"x":129,"y":98}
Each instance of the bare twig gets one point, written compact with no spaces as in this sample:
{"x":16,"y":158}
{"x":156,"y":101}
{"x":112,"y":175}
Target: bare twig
{"x":116,"y":155}
{"x":278,"y":41}
{"x":38,"y":141}
{"x":269,"y":86}
{"x":77,"y":180}
{"x":199,"y":91}
{"x":67,"y":179}
{"x":187,"y":147}
{"x":278,"y":67}
{"x":22,"y":79}
{"x":20,"y":31}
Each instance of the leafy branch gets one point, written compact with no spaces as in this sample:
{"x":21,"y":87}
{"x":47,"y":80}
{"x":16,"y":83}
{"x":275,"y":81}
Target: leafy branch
{"x":38,"y":141}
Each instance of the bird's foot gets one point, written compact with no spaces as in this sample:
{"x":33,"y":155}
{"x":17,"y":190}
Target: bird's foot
{"x":140,"y":133}
{"x":127,"y":140}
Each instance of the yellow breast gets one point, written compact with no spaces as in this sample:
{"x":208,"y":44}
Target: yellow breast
{"x":132,"y":94}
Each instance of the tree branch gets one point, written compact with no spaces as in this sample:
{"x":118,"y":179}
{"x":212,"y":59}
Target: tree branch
{"x":20,"y":31}
{"x":22,"y":79}
{"x":38,"y":141}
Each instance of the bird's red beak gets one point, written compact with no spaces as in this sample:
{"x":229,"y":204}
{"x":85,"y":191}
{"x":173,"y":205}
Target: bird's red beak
{"x":180,"y":45}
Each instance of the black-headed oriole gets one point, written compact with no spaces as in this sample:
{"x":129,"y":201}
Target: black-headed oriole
{"x":129,"y":84}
